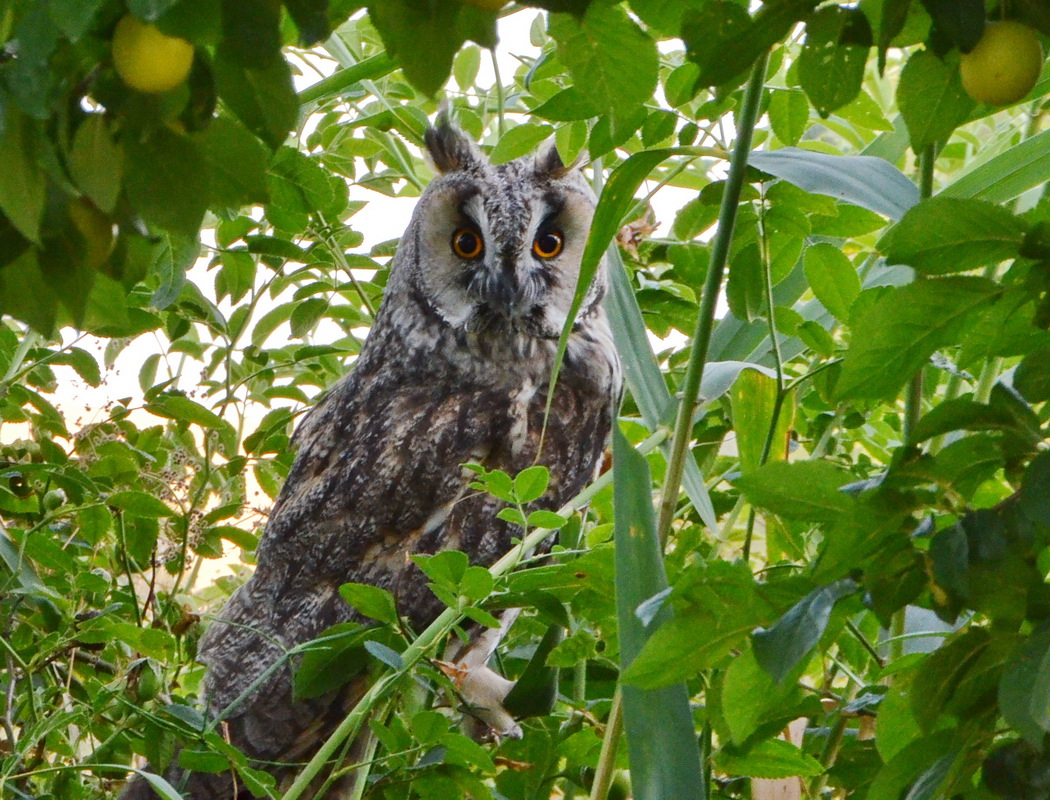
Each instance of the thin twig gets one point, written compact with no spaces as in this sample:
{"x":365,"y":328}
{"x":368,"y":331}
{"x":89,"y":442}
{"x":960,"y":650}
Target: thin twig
{"x":712,"y":291}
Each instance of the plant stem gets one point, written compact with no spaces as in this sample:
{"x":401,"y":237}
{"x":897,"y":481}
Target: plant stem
{"x":370,"y":68}
{"x":501,"y":122}
{"x":125,"y":560}
{"x":712,"y":289}
{"x":778,"y":404}
{"x":987,"y":379}
{"x":603,"y":773}
{"x":913,"y":402}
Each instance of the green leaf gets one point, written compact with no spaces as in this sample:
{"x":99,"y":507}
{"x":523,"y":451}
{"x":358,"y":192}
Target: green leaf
{"x":236,"y":164}
{"x":164,"y":789}
{"x":643,"y":377}
{"x":371,"y":68}
{"x":298,"y":183}
{"x":772,"y":758}
{"x":261,"y":95}
{"x":513,"y":516}
{"x":22,"y":182}
{"x":616,"y":200}
{"x":745,"y":289}
{"x":203,"y":761}
{"x":73,"y":17}
{"x":518,"y":141}
{"x":931,"y":99}
{"x":609,"y":56}
{"x":96,"y":162}
{"x":892,"y":16}
{"x":664,"y":16}
{"x":172,"y":257}
{"x":831,"y":65}
{"x":664,"y":757}
{"x":1024,"y":691}
{"x":948,"y":234}
{"x":908,"y":765}
{"x":833,"y":279}
{"x":372,"y":601}
{"x":750,"y":698}
{"x":896,"y":725}
{"x":536,"y":691}
{"x":1007,"y":175}
{"x":866,"y":181}
{"x":182,"y":409}
{"x":1032,"y":377}
{"x":424,"y":37}
{"x":962,"y":21}
{"x":724,"y":607}
{"x":788,"y":115}
{"x":753,"y":401}
{"x":724,"y":41}
{"x":546,"y":519}
{"x":167,"y":180}
{"x":941,"y":673}
{"x":805,"y":490}
{"x":466,"y":66}
{"x":445,"y":568}
{"x":967,"y":463}
{"x":963,"y":413}
{"x":237,"y":275}
{"x":83,"y":362}
{"x":311,"y":18}
{"x":531,"y":483}
{"x":476,"y":583}
{"x":139,"y":504}
{"x":568,"y":105}
{"x":779,"y":649}
{"x":927,"y":315}
{"x":332,"y":661}
{"x":385,"y":654}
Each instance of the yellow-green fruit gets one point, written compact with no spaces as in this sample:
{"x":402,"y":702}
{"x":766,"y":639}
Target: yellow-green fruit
{"x":1004,"y":65}
{"x":97,"y":230}
{"x":147,"y":59}
{"x":145,"y":681}
{"x":488,"y":5}
{"x":54,"y":500}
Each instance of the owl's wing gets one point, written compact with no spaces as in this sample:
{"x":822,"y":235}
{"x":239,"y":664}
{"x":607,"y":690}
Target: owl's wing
{"x":378,"y":472}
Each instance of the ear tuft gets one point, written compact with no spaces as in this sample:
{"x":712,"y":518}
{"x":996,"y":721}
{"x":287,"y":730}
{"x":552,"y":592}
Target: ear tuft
{"x":449,"y":147}
{"x":550,"y":165}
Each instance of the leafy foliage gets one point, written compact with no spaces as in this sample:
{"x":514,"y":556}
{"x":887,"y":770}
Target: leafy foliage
{"x":863,"y":539}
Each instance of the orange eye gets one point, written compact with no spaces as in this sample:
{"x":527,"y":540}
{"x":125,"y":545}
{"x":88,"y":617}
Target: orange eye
{"x":549,"y":244}
{"x":466,"y":243}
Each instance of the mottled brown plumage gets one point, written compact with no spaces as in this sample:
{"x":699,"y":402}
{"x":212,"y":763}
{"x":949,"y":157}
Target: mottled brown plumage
{"x":454,"y":370}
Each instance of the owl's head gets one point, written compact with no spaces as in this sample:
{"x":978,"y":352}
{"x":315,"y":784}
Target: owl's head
{"x":496,"y":250}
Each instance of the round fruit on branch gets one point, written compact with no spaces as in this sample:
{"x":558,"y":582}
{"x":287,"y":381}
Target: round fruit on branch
{"x":147,"y":59}
{"x":1004,"y":65}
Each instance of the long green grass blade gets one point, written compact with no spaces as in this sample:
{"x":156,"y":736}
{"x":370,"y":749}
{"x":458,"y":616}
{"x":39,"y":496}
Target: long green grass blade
{"x":369,"y":69}
{"x":661,"y":741}
{"x":643,"y":376}
{"x":616,"y":200}
{"x":1009,"y":174}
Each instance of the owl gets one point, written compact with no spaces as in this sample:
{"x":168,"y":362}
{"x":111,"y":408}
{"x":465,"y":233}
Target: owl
{"x":455,"y":371}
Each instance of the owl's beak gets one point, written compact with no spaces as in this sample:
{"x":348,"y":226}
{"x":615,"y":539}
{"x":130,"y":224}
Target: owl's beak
{"x":496,"y":284}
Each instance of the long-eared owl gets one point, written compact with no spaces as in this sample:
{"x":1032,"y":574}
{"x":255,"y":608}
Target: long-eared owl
{"x":455,"y":370}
